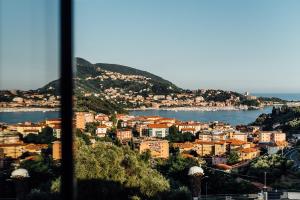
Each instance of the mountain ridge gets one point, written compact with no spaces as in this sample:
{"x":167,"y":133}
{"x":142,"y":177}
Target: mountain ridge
{"x":128,"y":87}
{"x":159,"y":85}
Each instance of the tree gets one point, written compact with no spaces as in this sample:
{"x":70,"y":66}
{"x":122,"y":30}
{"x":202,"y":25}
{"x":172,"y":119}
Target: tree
{"x":275,"y":165}
{"x":44,"y":137}
{"x":113,"y":118}
{"x":233,"y":157}
{"x":83,"y":136}
{"x":91,"y":127}
{"x":176,"y":136}
{"x":119,"y":125}
{"x":176,"y":169}
{"x":42,"y":171}
{"x":146,"y":155}
{"x":105,"y":168}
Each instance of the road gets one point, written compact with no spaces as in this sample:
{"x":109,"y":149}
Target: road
{"x":293,"y":154}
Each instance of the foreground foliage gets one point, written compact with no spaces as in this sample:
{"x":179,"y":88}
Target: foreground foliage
{"x":274,"y":165}
{"x":105,"y":168}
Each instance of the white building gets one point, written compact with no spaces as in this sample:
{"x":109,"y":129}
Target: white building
{"x":101,"y":131}
{"x":156,"y":130}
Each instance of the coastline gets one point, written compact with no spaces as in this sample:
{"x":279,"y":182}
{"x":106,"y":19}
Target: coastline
{"x":28,"y":109}
{"x":203,"y":109}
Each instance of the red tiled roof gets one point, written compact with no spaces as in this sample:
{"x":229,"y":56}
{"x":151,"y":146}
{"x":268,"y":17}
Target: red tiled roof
{"x":12,"y":145}
{"x":188,"y":129}
{"x":157,"y":126}
{"x":36,"y":146}
{"x":184,"y":145}
{"x":249,"y":150}
{"x":235,"y":142}
{"x":102,"y":126}
{"x":209,"y":142}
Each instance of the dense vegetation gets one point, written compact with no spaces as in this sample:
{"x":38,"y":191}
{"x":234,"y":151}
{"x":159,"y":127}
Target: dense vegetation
{"x":117,"y":169}
{"x":44,"y":137}
{"x":222,"y":96}
{"x":233,"y":157}
{"x":98,"y":105}
{"x":271,"y":99}
{"x":285,"y":118}
{"x":218,"y":95}
{"x":274,"y":165}
{"x":176,"y":136}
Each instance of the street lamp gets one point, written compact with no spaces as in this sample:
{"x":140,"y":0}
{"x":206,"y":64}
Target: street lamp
{"x":205,"y":187}
{"x":20,"y":177}
{"x":265,"y":191}
{"x":196,"y":174}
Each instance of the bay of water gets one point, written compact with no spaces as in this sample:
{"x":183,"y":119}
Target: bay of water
{"x":231,"y":117}
{"x":16,"y":117}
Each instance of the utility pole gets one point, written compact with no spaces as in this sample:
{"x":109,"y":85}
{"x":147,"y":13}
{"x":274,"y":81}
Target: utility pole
{"x":265,"y":192}
{"x":206,"y":190}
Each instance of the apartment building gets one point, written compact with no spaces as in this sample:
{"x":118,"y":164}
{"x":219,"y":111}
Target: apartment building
{"x":81,"y":118}
{"x":157,"y":147}
{"x":124,"y":134}
{"x":56,"y":150}
{"x":156,"y":130}
{"x":9,"y":137}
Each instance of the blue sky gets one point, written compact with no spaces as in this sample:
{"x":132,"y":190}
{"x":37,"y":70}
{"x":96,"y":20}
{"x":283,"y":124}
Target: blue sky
{"x":250,"y":45}
{"x":28,"y":43}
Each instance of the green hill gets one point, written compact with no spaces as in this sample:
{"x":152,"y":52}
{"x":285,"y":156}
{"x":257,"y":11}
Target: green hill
{"x":283,"y":118}
{"x":103,"y":87}
{"x":144,"y":81}
{"x":88,"y":79}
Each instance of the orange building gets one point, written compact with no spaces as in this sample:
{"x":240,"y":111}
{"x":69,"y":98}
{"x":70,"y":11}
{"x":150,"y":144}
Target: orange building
{"x":124,"y":134}
{"x":278,"y":137}
{"x":158,"y":148}
{"x":25,"y":129}
{"x":53,"y":122}
{"x":81,"y":118}
{"x":248,"y":153}
{"x":265,"y":137}
{"x":210,"y":148}
{"x":12,"y":150}
{"x":271,"y":136}
{"x":35,"y":148}
{"x":56,"y":150}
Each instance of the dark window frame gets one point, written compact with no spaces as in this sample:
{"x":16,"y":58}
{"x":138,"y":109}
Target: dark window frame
{"x":66,"y":91}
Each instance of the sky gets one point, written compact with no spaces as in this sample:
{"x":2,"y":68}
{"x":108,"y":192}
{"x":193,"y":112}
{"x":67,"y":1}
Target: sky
{"x":28,"y":43}
{"x":250,"y":45}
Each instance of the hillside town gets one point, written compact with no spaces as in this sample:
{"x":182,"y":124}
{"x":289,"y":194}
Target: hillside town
{"x":213,"y":142}
{"x":185,"y":100}
{"x":15,"y":99}
{"x":142,"y":97}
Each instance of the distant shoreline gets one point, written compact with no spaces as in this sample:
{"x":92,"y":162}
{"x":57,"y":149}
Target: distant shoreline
{"x":25,"y":109}
{"x":203,"y":109}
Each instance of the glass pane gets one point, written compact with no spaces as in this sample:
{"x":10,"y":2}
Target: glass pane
{"x":174,"y":99}
{"x":29,"y":99}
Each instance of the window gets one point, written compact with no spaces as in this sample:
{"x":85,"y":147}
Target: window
{"x":99,"y":99}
